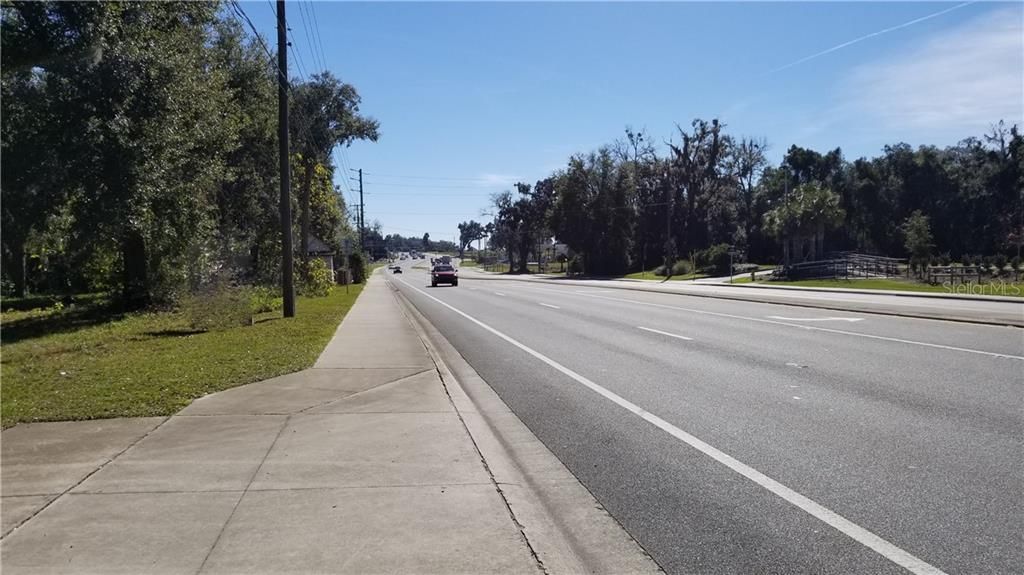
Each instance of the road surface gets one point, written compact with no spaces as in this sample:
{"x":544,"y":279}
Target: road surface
{"x":740,"y":437}
{"x":1002,"y":310}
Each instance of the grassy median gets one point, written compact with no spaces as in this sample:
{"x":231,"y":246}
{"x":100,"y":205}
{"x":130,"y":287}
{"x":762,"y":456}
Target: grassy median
{"x":649,"y":275}
{"x":82,"y":362}
{"x":996,"y":287}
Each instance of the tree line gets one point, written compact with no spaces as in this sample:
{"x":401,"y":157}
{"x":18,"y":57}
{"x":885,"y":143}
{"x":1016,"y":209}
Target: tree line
{"x":628,"y":206}
{"x":140,"y":150}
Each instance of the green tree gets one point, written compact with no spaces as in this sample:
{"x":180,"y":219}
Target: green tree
{"x":917,"y":239}
{"x":30,"y":172}
{"x":468,"y":233}
{"x":698,"y":163}
{"x":324,"y":114}
{"x":746,"y":161}
{"x":148,"y":142}
{"x":802,"y":219}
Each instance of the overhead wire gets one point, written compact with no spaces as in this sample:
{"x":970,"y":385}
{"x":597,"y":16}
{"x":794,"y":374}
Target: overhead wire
{"x":316,"y":30}
{"x":239,"y":12}
{"x":300,"y":70}
{"x":309,"y":41}
{"x":407,"y":177}
{"x":437,"y":186}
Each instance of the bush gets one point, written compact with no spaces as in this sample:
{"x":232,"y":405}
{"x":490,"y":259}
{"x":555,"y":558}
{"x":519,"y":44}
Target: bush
{"x":315,"y":280}
{"x":263,"y":300}
{"x":945,"y":259}
{"x":575,"y":265}
{"x":661,"y":271}
{"x":714,"y":260}
{"x":682,"y":268}
{"x":1000,"y":262}
{"x":357,"y":267}
{"x":217,"y":307}
{"x":1015,"y":263}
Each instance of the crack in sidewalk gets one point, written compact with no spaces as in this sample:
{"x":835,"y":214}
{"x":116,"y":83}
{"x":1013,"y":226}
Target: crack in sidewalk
{"x":86,"y":477}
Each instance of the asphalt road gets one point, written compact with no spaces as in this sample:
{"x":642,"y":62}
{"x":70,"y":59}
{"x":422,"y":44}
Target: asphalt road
{"x":739,"y":437}
{"x":1003,"y":310}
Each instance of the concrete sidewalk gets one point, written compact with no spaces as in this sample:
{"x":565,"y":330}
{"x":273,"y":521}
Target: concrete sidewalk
{"x":362,"y":464}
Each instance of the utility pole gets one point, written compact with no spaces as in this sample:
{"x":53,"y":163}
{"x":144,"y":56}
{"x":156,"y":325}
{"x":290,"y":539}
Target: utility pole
{"x":362,"y":213}
{"x":361,"y":216}
{"x":287,"y":281}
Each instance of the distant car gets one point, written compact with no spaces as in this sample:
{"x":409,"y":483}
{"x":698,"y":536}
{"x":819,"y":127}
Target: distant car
{"x":444,"y":274}
{"x":397,"y":270}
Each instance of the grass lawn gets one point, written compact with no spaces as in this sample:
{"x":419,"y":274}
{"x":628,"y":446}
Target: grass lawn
{"x":649,"y":275}
{"x":1007,"y":288}
{"x":82,"y":363}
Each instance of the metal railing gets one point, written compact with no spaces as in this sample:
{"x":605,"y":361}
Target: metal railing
{"x":842,"y":265}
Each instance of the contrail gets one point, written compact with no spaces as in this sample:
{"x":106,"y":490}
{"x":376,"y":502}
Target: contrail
{"x":867,"y":36}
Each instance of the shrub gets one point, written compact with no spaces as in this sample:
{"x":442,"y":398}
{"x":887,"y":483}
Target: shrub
{"x":218,"y":306}
{"x":315,"y":280}
{"x":714,"y":260}
{"x":263,"y":299}
{"x":357,"y":267}
{"x":661,"y":271}
{"x":682,"y":268}
{"x":999,"y":260}
{"x":945,"y":259}
{"x":1015,"y":263}
{"x":575,"y":265}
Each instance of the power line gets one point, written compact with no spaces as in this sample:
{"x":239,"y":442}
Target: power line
{"x":300,"y":65}
{"x":237,"y":8}
{"x":316,"y":29}
{"x":309,"y":41}
{"x":435,"y":186}
{"x":291,"y":39}
{"x":427,"y":194}
{"x":405,"y":177}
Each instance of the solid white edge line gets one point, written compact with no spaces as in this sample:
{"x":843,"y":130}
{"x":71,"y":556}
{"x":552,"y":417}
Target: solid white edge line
{"x":499,"y":293}
{"x":549,"y":305}
{"x":833,"y":519}
{"x":808,"y":327}
{"x":665,"y":333}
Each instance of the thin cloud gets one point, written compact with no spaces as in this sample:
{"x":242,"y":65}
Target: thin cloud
{"x":959,"y":81}
{"x":866,"y":37}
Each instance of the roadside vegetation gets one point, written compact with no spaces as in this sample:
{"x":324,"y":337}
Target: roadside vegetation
{"x":80,"y":359}
{"x":621,"y":208}
{"x":140,"y":167}
{"x":170,"y":182}
{"x":653,"y":274}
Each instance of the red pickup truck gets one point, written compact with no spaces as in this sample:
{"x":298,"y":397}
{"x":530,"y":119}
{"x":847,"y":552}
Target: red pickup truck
{"x":444,"y":274}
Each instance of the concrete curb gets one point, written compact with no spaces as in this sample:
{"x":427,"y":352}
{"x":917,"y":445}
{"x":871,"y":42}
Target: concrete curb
{"x":836,"y":306}
{"x":939,"y":296}
{"x":654,"y":283}
{"x":567,"y":529}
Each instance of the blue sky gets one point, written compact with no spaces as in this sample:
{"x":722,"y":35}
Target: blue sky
{"x":472,"y":97}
